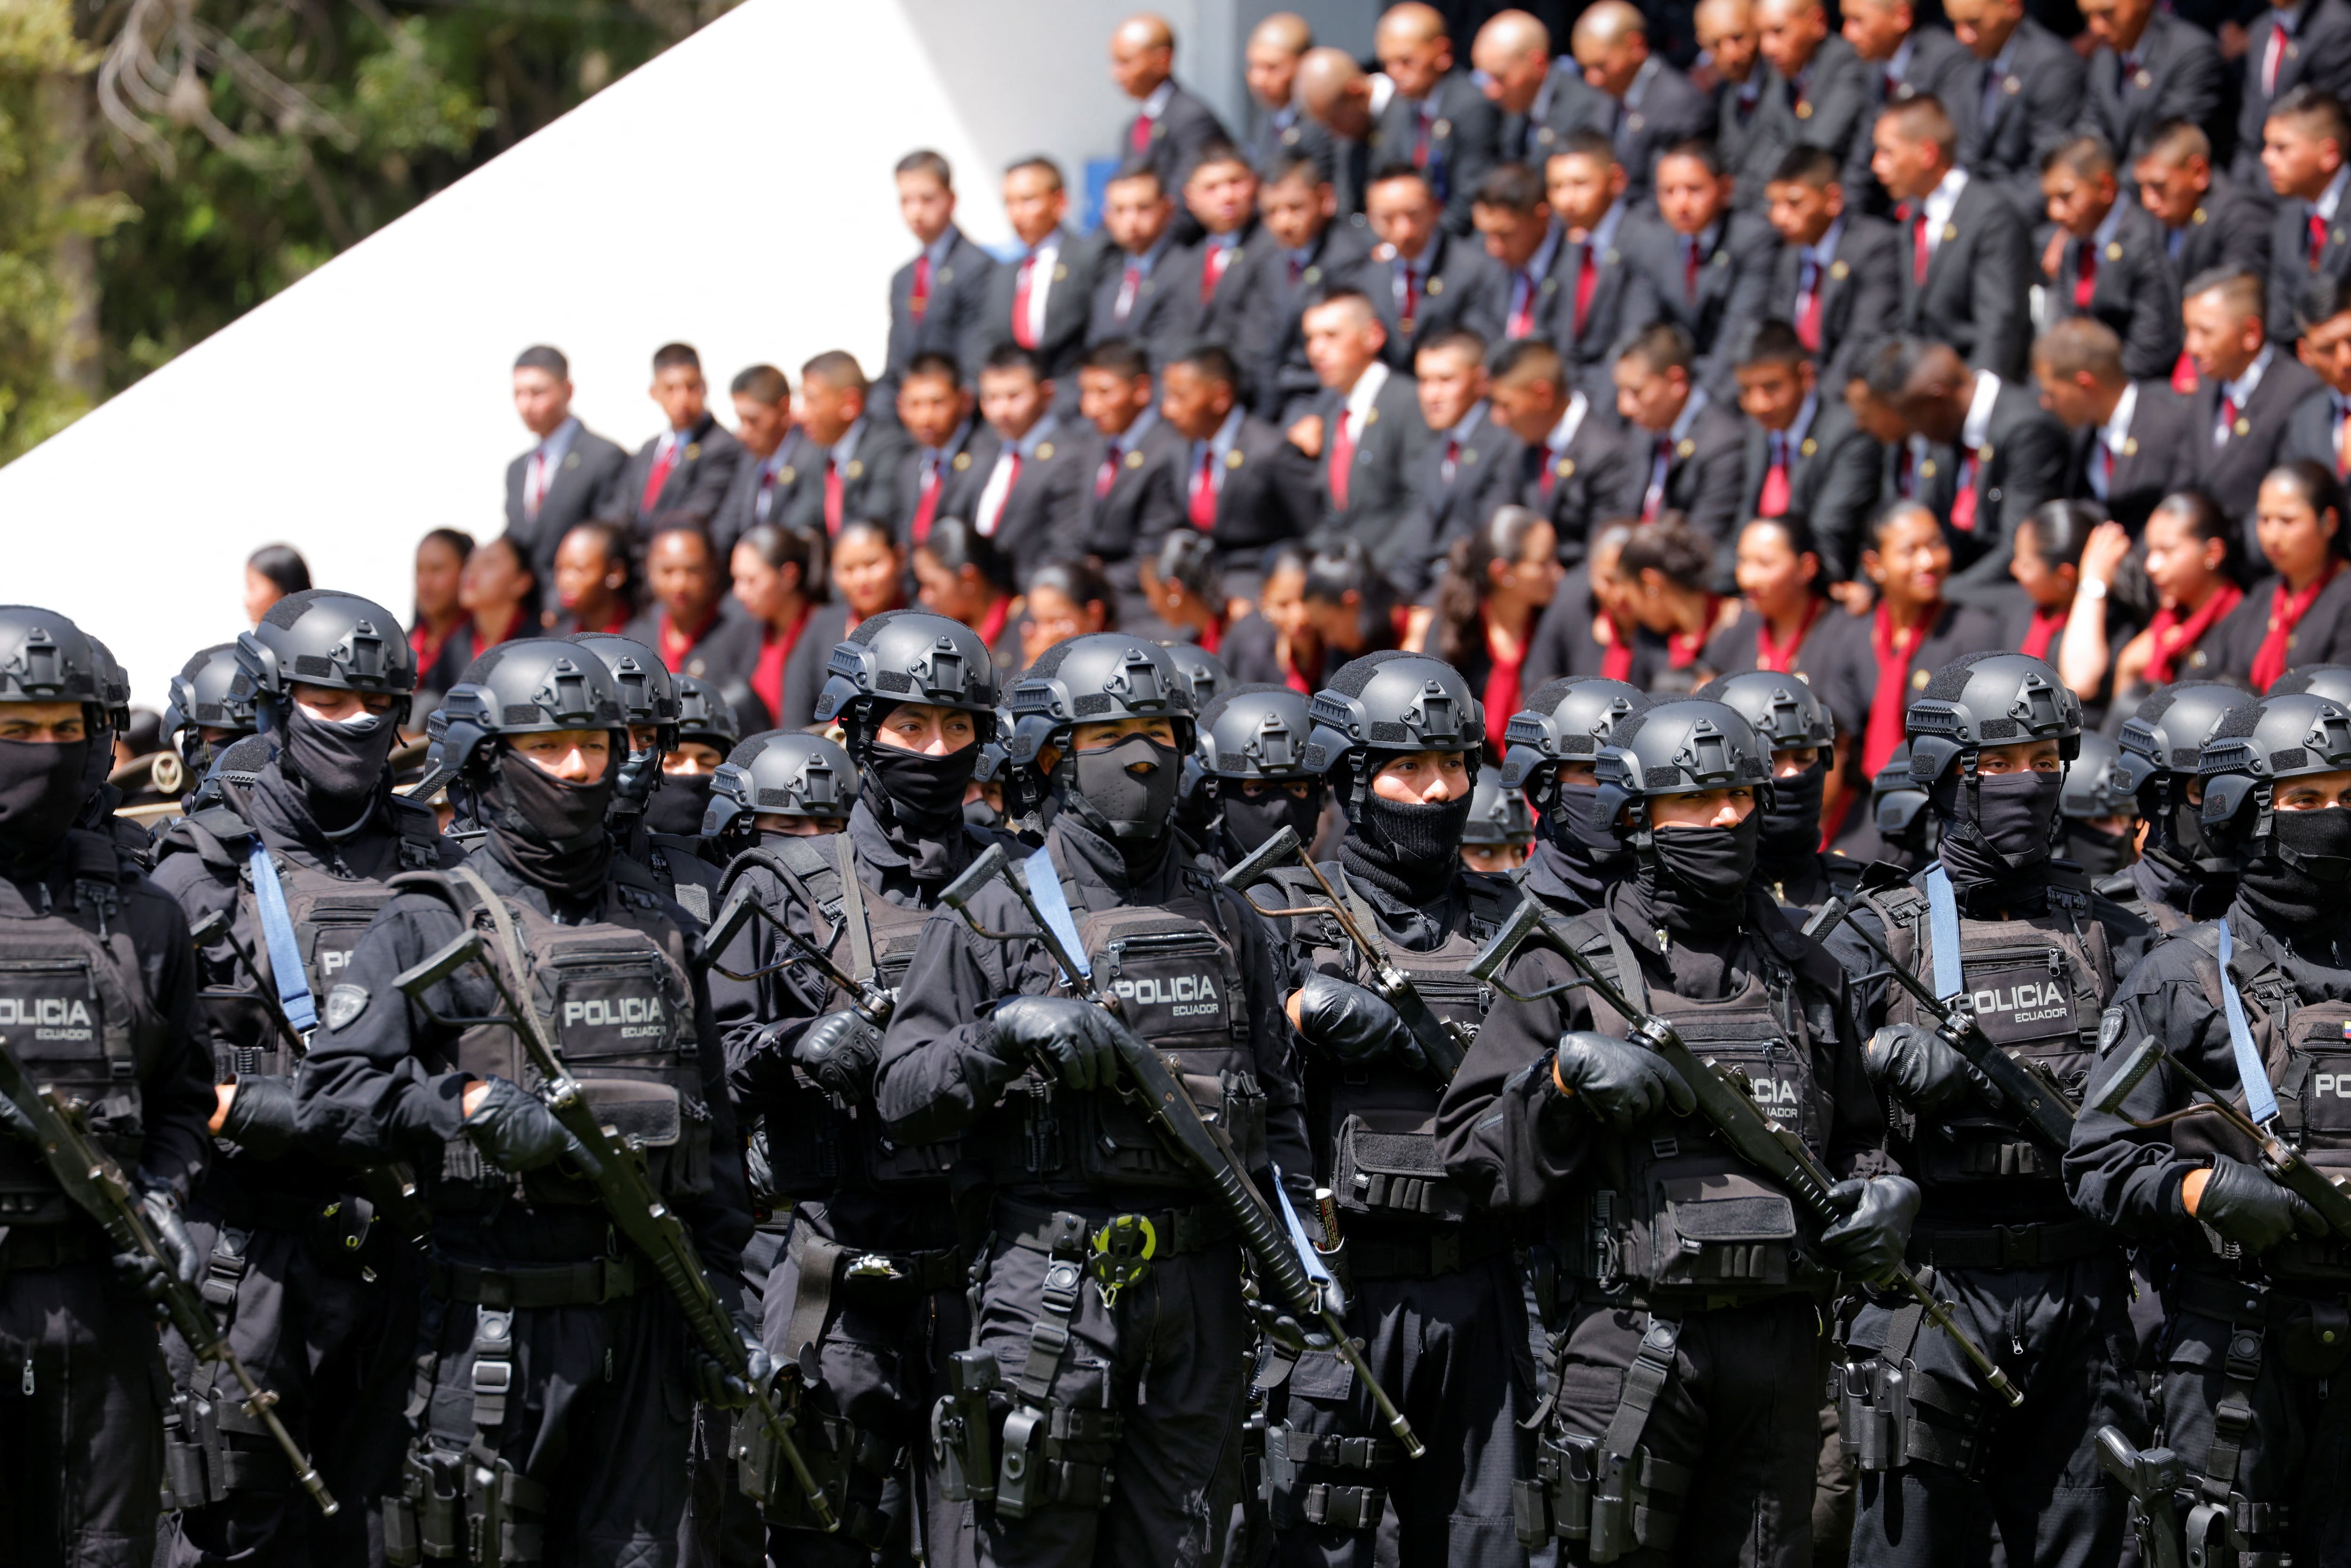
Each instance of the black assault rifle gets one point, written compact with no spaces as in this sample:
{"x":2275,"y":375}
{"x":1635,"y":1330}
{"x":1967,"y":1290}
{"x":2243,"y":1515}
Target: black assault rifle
{"x":1725,"y":1103}
{"x":1153,"y":1088}
{"x":91,"y":1178}
{"x":1443,"y":1041}
{"x":873,"y":1002}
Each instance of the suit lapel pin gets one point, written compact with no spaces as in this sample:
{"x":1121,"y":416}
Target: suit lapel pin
{"x":1839,"y":271}
{"x":571,"y":460}
{"x":1567,"y":467}
{"x":1044,"y":451}
{"x":1233,"y":458}
{"x":790,"y":475}
{"x":1809,"y":446}
{"x":1435,"y":287}
{"x":2244,"y":426}
{"x":693,"y":450}
{"x":1372,"y":418}
{"x":947,"y":276}
{"x":1805,"y":109}
{"x":2130,"y":446}
{"x":1134,"y":459}
{"x":1685,"y":447}
{"x":2012,"y":86}
{"x":1927,"y":469}
{"x":1633,"y":121}
{"x":961,"y":462}
{"x":2114,"y":250}
{"x":1609,"y":256}
{"x":1061,"y":272}
{"x":1950,"y":232}
{"x":1442,"y":128}
{"x":1312,"y":275}
{"x":856,"y":468}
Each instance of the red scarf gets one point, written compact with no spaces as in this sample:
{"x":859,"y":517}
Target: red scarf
{"x":1293,"y":677}
{"x":675,"y":647}
{"x":1617,"y":658}
{"x":1891,"y":699}
{"x":427,"y":647}
{"x":2286,"y":610}
{"x":1501,"y":695}
{"x":1212,"y":635}
{"x":1781,"y":657}
{"x":775,"y":649}
{"x":1683,"y":648}
{"x":992,"y":625}
{"x":2174,"y":636}
{"x":2047,"y":626}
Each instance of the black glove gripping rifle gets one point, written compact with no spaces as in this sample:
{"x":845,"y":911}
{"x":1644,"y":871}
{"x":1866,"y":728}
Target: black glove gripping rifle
{"x":1155,"y":1089}
{"x":615,"y":1167}
{"x":92,"y":1179}
{"x":1443,"y":1041}
{"x":2041,"y":1109}
{"x":1725,"y":1103}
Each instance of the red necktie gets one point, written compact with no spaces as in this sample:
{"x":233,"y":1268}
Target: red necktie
{"x":1918,"y":257}
{"x":1342,"y":462}
{"x":1004,"y":498}
{"x":1420,"y":135}
{"x":663,"y":460}
{"x":1023,"y":333}
{"x":2342,"y":446}
{"x":535,"y":491}
{"x":831,"y":495}
{"x":1201,"y":511}
{"x":2269,"y":58}
{"x":1138,"y":135}
{"x":1661,"y":468}
{"x":1410,"y":305}
{"x":1104,"y":474}
{"x":1963,"y":502}
{"x":1587,"y":280}
{"x":2085,"y":273}
{"x":918,"y":298}
{"x":927,"y":509}
{"x":1549,"y":480}
{"x":1212,"y":271}
{"x":1452,"y":457}
{"x":1523,"y":317}
{"x":2106,"y":469}
{"x":1689,"y":270}
{"x":2317,"y":239}
{"x":1129,"y":281}
{"x":2183,"y":373}
{"x":1773,"y":502}
{"x":2227,"y":420}
{"x":1808,"y":308}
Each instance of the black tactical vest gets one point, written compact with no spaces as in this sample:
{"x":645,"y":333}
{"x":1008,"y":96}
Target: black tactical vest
{"x":74,"y":1010}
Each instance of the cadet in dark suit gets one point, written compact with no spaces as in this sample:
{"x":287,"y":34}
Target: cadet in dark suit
{"x":2309,"y":133}
{"x":680,"y":475}
{"x":1902,"y":62}
{"x":1170,"y":128}
{"x":1992,"y":453}
{"x":1968,"y":288}
{"x":1647,"y":106}
{"x":1526,"y":243}
{"x":2287,"y":49}
{"x":1135,"y":301}
{"x":2132,"y":443}
{"x":1596,"y":296}
{"x":2112,"y":264}
{"x":2247,"y":388}
{"x":1829,"y":469}
{"x":1338,"y":95}
{"x":1459,"y":477}
{"x":839,"y":465}
{"x":571,"y":475}
{"x":1438,"y":120}
{"x":1684,"y":451}
{"x":1821,"y":92}
{"x":1208,"y":282}
{"x":1240,"y":481}
{"x":763,"y":423}
{"x":1270,"y":61}
{"x":2319,"y":429}
{"x":1837,"y":279}
{"x":2029,"y":98}
{"x":2149,"y":66}
{"x":1365,"y":431}
{"x":694,"y":623}
{"x":936,"y":300}
{"x":1309,"y":255}
{"x":1040,"y":299}
{"x":1567,"y":459}
{"x":1752,"y":138}
{"x":2209,"y":220}
{"x":1423,"y":281}
{"x":951,"y":455}
{"x":1710,"y":267}
{"x":1130,"y":463}
{"x":1541,"y":98}
{"x":1032,"y":501}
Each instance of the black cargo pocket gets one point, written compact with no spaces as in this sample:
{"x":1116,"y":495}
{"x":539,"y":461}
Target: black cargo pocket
{"x":1394,"y":1171}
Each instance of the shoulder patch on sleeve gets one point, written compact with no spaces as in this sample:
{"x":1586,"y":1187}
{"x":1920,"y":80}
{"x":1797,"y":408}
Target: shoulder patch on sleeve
{"x":2110,"y":1030}
{"x":344,"y":1003}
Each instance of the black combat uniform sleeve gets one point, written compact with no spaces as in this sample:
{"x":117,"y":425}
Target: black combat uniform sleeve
{"x":759,"y":1052}
{"x":2126,"y":1176}
{"x":1263,"y":964}
{"x":721,"y":1218}
{"x":176,"y":1097}
{"x":363,"y":1094}
{"x":1505,"y":1131}
{"x":1857,"y":1134}
{"x":941,"y":1066}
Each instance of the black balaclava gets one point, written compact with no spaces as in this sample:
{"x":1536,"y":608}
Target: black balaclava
{"x":978,"y":813}
{"x":1135,"y":811}
{"x":2302,"y":879}
{"x":2099,"y":853}
{"x":42,"y":788}
{"x":2003,"y":836}
{"x":676,"y":808}
{"x":1791,"y":832}
{"x":918,"y":802}
{"x":1410,"y":852}
{"x":1578,"y":848}
{"x":339,"y":763}
{"x":1250,"y":822}
{"x":1696,"y":879}
{"x":550,"y":830}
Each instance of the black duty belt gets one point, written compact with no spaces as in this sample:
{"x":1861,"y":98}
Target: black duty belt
{"x":27,"y":1246}
{"x":590,"y":1282}
{"x":2043,"y":1246}
{"x":1424,"y":1257}
{"x":250,"y":1210}
{"x":1177,"y":1230}
{"x":2229,"y":1301}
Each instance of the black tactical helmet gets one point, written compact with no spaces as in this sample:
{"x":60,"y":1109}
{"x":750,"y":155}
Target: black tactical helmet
{"x":1990,"y":698}
{"x":1567,"y":720}
{"x":323,"y":638}
{"x":113,"y":686}
{"x":1498,"y":815}
{"x":2163,"y":739}
{"x":648,"y":690}
{"x":1898,"y":806}
{"x":45,"y":658}
{"x":530,"y":686}
{"x":703,"y":715}
{"x":1202,"y":669}
{"x":201,"y":699}
{"x":1096,"y":678}
{"x":2332,"y":682}
{"x":1678,"y":747}
{"x":1782,"y":708}
{"x":783,"y":772}
{"x":1390,"y":704}
{"x":907,"y":656}
{"x":1255,"y":731}
{"x":2260,"y":742}
{"x":2090,"y":788}
{"x":239,"y":763}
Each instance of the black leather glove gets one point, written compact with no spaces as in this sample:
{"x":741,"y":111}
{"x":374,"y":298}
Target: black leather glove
{"x":1285,"y":1330}
{"x":1876,"y":1231}
{"x":2247,"y":1207}
{"x":722,"y":1389}
{"x":1621,"y":1083}
{"x":179,"y":1260}
{"x":260,"y":1117}
{"x":514,"y":1131}
{"x":1075,"y":1036}
{"x":1919,"y":1068}
{"x":1351,"y":1023}
{"x":840,"y":1052}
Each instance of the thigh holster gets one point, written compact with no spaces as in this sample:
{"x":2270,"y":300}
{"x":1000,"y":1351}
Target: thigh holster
{"x":201,"y":1464}
{"x":2226,"y":1528}
{"x":962,"y":1428}
{"x":1891,"y":1410}
{"x":830,"y":1446}
{"x":1611,"y":1494}
{"x":1054,"y":1452}
{"x":1294,"y":1497}
{"x":473,"y":1506}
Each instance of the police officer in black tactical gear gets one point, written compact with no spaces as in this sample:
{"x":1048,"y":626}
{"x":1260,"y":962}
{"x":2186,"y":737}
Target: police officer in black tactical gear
{"x":2257,"y":1003}
{"x":205,"y":713}
{"x":1252,"y":749}
{"x":779,"y":781}
{"x":1907,"y":831}
{"x":707,"y":732}
{"x":2100,"y":818}
{"x":113,"y":718}
{"x":2179,"y":878}
{"x":97,"y":997}
{"x":1994,"y":924}
{"x":311,"y":1270}
{"x":1552,"y":746}
{"x":1801,"y":735}
{"x":1433,"y":1289}
{"x":868,"y":1297}
{"x":1684,"y":1288}
{"x":1501,"y":832}
{"x":1111,"y":1311}
{"x":654,"y":823}
{"x":556,"y":1381}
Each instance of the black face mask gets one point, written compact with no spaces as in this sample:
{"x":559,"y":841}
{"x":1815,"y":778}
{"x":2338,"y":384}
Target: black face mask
{"x":677,"y":806}
{"x":550,"y":829}
{"x":42,"y":787}
{"x":2097,"y":852}
{"x":1251,"y":821}
{"x":2315,"y":843}
{"x":1410,"y":852}
{"x":980,"y":814}
{"x":926,"y":792}
{"x":1791,"y":826}
{"x":339,"y":762}
{"x":1582,"y":853}
{"x":1132,"y":807}
{"x":2299,"y":881}
{"x":1696,"y":878}
{"x":2014,"y":814}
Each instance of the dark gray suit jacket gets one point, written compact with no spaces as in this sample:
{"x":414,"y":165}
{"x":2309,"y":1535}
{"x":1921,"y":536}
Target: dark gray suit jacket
{"x":1941,"y":64}
{"x":1380,"y":500}
{"x":739,"y":513}
{"x":1151,"y":314}
{"x":725,"y":655}
{"x":2033,"y":109}
{"x":2230,"y":227}
{"x":1143,"y":502}
{"x":1463,"y":142}
{"x":1303,"y":137}
{"x":1734,"y":279}
{"x":1585,"y":489}
{"x":1459,"y":285}
{"x":965,"y":463}
{"x":584,"y":486}
{"x":1704,"y":475}
{"x":1068,"y":307}
{"x":699,"y":478}
{"x":868,"y":483}
{"x":2135,"y":290}
{"x":2177,"y":75}
{"x":1861,"y":295}
{"x":2290,"y":271}
{"x":2021,"y":464}
{"x":1446,"y":510}
{"x":1623,"y":300}
{"x":2317,"y":53}
{"x":2158,"y":457}
{"x":1044,"y":511}
{"x":2232,"y":473}
{"x":2311,"y":430}
{"x":1270,"y":494}
{"x":1183,"y":130}
{"x":1218,"y":321}
{"x":1975,"y":294}
{"x":950,"y":322}
{"x":1532,"y":137}
{"x":1837,"y":475}
{"x":1272,"y":338}
{"x":1671,"y":110}
{"x":1830,"y":106}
